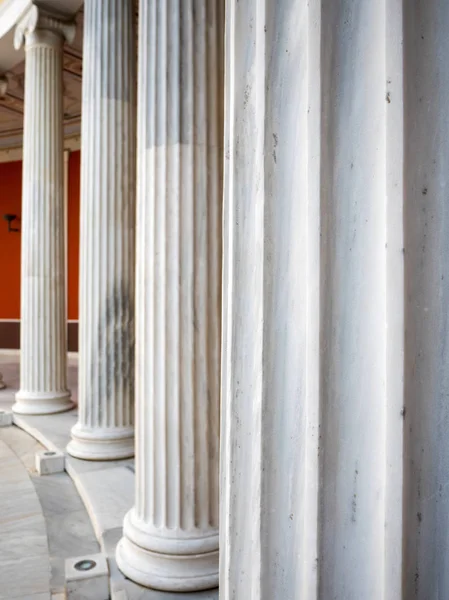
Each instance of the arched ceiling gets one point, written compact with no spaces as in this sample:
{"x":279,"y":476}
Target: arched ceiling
{"x":11,"y":102}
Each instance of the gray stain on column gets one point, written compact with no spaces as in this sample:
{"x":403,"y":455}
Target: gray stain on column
{"x":117,"y":350}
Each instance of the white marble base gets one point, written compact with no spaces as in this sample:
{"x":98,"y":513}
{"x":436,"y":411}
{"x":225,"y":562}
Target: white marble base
{"x":101,"y":443}
{"x":167,"y":572}
{"x":29,"y":403}
{"x":5,"y":418}
{"x":92,"y":584}
{"x":49,"y":462}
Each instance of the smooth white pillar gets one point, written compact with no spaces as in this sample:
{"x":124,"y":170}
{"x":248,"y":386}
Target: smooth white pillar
{"x":105,"y":427}
{"x":171,"y":535}
{"x":43,"y":386}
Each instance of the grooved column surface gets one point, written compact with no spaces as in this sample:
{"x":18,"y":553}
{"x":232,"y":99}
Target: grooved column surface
{"x":43,"y":323}
{"x":171,"y":535}
{"x":106,"y":324}
{"x":335,"y":379}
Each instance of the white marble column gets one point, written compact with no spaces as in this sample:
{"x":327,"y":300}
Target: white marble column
{"x":335,"y":387}
{"x":105,"y":427}
{"x":426,"y":254}
{"x":43,"y":387}
{"x":309,"y":410}
{"x":171,"y":535}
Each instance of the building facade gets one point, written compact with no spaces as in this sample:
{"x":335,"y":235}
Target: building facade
{"x":264,"y":262}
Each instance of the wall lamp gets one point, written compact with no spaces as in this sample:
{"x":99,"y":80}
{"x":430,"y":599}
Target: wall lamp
{"x":10,"y":219}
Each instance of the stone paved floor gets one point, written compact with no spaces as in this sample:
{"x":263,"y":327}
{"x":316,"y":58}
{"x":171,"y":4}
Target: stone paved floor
{"x":80,"y":514}
{"x":24,"y":556}
{"x":43,"y":522}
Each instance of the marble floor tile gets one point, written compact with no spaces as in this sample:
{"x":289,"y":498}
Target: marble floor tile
{"x":108,"y":495}
{"x":57,"y":494}
{"x":57,"y":580}
{"x":23,"y":445}
{"x":69,"y":529}
{"x":24,"y":560}
{"x":17,"y":500}
{"x":70,"y":535}
{"x":18,"y":440}
{"x":44,"y":596}
{"x":22,"y":545}
{"x":26,"y":576}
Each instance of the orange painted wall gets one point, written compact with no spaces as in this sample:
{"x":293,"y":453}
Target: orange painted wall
{"x":10,"y":202}
{"x":73,"y":234}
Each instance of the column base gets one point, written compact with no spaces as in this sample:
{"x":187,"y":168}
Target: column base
{"x":42,"y":403}
{"x":101,"y":443}
{"x":183,"y":563}
{"x":167,"y":572}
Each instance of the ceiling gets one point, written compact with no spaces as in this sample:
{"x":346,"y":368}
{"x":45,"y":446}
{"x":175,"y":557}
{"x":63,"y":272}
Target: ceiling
{"x":12,"y":67}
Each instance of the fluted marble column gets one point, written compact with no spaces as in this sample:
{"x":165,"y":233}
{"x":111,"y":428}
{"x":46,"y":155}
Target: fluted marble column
{"x":335,"y":411}
{"x":43,"y":387}
{"x":171,"y":535}
{"x":105,"y":427}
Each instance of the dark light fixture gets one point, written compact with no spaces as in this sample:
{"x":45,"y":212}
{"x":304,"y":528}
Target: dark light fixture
{"x":10,"y":219}
{"x":85,"y":565}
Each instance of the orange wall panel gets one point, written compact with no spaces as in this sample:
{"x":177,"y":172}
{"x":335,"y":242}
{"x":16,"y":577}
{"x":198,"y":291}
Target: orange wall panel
{"x":10,"y":202}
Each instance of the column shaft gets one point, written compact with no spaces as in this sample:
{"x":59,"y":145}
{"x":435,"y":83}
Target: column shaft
{"x":304,"y":399}
{"x":426,"y":255}
{"x":107,"y":269}
{"x":43,"y":387}
{"x":171,"y":535}
{"x":335,"y":382}
{"x":269,"y":437}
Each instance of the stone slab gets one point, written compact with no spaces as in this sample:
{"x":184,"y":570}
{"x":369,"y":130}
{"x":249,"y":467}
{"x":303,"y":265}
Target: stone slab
{"x":49,"y":462}
{"x":5,"y":418}
{"x":89,"y":584}
{"x":108,"y":495}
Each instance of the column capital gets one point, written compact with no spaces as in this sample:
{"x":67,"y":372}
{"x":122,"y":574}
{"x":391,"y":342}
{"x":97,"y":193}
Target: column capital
{"x":41,"y":27}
